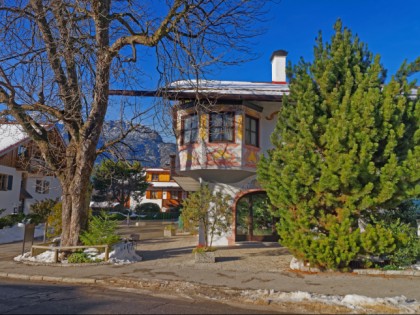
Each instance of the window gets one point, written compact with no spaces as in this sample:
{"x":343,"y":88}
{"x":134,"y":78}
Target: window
{"x":189,"y":129}
{"x":42,"y":186}
{"x":153,"y":194}
{"x":6,"y":182}
{"x":174,"y":195}
{"x":155,"y":177}
{"x":221,"y":127}
{"x":251,"y":131}
{"x":22,"y":150}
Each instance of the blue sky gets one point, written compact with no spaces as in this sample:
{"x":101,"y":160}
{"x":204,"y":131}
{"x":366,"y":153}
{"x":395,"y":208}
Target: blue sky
{"x":389,"y":28}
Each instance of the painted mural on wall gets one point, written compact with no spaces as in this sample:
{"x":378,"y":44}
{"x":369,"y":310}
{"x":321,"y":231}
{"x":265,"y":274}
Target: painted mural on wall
{"x":222,"y":154}
{"x":189,"y":156}
{"x":218,"y":154}
{"x":251,"y":156}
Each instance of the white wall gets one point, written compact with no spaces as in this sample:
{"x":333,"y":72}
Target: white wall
{"x":267,"y":126}
{"x":54,"y":191}
{"x":10,"y":199}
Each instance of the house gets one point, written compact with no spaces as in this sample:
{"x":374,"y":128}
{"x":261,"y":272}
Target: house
{"x":23,"y":175}
{"x":222,"y":129}
{"x":162,"y":190}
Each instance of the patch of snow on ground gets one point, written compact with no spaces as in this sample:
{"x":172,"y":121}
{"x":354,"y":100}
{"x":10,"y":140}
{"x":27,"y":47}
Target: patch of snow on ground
{"x":45,"y":257}
{"x":351,"y":301}
{"x":122,"y":253}
{"x":15,"y":233}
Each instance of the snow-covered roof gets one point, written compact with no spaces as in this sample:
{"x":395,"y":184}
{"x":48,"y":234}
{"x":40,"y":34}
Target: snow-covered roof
{"x":156,"y":170}
{"x":227,"y":89}
{"x":164,"y":184}
{"x":11,"y":135}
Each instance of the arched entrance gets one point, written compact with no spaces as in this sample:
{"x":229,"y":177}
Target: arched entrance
{"x":253,"y":219}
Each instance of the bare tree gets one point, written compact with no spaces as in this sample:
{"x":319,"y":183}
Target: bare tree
{"x":58,"y":59}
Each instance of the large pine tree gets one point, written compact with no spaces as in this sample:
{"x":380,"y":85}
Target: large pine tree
{"x":346,"y":143}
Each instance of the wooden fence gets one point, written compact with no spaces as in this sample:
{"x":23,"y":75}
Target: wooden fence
{"x":58,"y":249}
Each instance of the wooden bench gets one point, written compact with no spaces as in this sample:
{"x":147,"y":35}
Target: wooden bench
{"x":58,"y":249}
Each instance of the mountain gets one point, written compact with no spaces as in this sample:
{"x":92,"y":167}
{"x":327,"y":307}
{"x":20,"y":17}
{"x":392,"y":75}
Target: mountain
{"x":144,"y":144}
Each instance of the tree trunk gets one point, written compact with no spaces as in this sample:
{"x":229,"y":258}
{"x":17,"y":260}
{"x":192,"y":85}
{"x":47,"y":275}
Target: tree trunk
{"x":75,"y":207}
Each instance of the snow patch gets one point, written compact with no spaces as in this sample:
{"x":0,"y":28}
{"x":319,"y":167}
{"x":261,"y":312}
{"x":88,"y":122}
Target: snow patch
{"x":351,"y":301}
{"x":122,"y":253}
{"x":15,"y":233}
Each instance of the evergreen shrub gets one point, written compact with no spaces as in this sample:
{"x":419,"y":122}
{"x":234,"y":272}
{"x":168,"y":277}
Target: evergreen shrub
{"x":101,"y":231}
{"x":346,"y":147}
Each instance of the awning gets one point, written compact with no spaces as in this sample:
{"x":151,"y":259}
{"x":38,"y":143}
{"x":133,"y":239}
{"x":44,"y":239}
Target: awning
{"x":24,"y":194}
{"x":187,"y":183}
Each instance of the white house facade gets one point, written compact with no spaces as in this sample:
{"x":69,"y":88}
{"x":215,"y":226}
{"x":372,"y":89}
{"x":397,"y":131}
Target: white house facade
{"x":22,"y":180}
{"x":222,"y":129}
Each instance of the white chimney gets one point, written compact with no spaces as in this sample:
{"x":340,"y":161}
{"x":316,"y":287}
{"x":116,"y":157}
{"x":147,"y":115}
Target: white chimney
{"x":278,"y":66}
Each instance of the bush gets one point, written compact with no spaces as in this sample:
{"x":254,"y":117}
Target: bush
{"x":54,"y":221}
{"x":11,"y":219}
{"x":396,"y":243}
{"x":406,"y":212}
{"x":203,"y":249}
{"x":101,"y":231}
{"x":148,"y":207}
{"x":407,"y":244}
{"x":169,"y":227}
{"x":160,"y":216}
{"x":40,"y":211}
{"x":80,"y":258}
{"x":117,"y":216}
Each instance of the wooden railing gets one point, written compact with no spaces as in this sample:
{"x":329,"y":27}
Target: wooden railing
{"x":66,"y":248}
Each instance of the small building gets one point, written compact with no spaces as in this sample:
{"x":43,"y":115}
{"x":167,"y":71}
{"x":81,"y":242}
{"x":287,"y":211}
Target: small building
{"x":24,"y":178}
{"x":222,"y":129}
{"x":162,"y":190}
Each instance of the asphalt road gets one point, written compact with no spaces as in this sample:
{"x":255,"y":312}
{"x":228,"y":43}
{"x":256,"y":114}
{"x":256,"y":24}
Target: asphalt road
{"x":19,"y":297}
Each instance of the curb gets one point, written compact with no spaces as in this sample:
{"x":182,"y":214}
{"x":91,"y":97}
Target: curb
{"x":47,"y":278}
{"x":414,"y":273}
{"x":257,"y":297}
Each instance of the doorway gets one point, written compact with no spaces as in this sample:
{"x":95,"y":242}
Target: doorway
{"x":254,"y":221}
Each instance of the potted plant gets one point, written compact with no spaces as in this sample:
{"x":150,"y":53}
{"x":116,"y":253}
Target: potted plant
{"x":209,"y":212}
{"x":169,"y":230}
{"x":203,"y":254}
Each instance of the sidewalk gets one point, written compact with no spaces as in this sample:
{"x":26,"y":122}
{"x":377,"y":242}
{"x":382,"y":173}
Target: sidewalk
{"x":168,"y":265}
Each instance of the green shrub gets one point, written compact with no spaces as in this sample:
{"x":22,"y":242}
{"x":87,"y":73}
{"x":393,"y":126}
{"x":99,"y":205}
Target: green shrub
{"x":101,"y":231}
{"x":203,"y":249}
{"x":407,"y":249}
{"x":11,"y":219}
{"x":40,"y":210}
{"x":377,"y":240}
{"x":406,"y":212}
{"x":397,"y":243}
{"x":80,"y":258}
{"x":148,"y":207}
{"x":117,"y":216}
{"x":161,"y":216}
{"x":54,"y":221}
